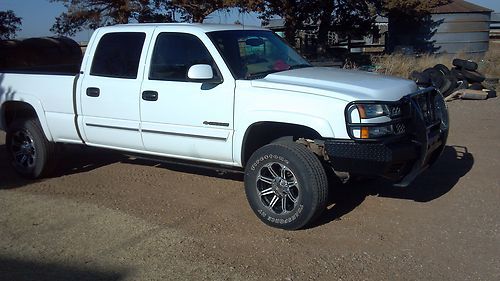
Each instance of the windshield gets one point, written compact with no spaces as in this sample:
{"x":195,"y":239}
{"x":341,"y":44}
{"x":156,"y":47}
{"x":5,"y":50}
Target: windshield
{"x":253,"y":54}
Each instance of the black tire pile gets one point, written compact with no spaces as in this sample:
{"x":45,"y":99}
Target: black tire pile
{"x":463,"y":75}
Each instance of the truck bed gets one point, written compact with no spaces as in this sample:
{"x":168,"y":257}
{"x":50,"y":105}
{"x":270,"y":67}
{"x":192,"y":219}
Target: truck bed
{"x":54,"y":98}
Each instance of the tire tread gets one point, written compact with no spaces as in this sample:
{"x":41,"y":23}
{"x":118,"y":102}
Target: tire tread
{"x":314,"y":173}
{"x":47,"y":150}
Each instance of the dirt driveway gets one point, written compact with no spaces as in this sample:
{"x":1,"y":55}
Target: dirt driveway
{"x":109,"y":217}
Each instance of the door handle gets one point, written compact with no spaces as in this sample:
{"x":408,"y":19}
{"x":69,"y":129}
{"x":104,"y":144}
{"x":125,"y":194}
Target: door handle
{"x":93,"y":92}
{"x":150,"y":95}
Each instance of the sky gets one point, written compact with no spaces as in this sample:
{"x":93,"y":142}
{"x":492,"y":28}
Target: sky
{"x":39,"y":16}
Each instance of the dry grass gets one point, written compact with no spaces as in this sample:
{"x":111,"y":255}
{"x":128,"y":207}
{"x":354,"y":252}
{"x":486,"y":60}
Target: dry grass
{"x":490,"y":64}
{"x":403,"y":65}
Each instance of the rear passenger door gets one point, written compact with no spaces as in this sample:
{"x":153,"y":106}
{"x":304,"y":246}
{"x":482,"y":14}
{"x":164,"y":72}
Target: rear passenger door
{"x":111,"y":87}
{"x":187,"y":119}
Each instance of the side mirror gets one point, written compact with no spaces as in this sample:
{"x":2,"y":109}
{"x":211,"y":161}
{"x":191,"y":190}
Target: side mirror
{"x":201,"y":72}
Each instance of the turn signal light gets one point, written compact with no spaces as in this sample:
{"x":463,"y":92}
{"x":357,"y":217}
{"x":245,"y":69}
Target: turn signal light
{"x":365,"y":133}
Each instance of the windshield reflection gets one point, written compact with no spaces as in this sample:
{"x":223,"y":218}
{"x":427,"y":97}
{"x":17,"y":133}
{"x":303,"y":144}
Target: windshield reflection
{"x":253,"y":54}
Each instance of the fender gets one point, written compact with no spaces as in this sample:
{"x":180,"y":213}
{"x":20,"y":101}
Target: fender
{"x":37,"y":106}
{"x":320,"y":125}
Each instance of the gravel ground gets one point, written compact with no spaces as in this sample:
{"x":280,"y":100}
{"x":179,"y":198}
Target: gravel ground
{"x":109,"y":217}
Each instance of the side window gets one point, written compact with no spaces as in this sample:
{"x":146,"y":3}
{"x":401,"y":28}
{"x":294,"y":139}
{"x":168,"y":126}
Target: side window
{"x":118,"y":55}
{"x":175,"y":53}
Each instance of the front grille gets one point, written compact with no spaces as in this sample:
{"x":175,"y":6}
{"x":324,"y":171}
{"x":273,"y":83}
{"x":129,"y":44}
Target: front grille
{"x":400,"y":129}
{"x":395,"y":111}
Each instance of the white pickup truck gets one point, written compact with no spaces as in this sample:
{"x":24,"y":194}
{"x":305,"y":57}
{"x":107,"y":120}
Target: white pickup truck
{"x":231,"y":96}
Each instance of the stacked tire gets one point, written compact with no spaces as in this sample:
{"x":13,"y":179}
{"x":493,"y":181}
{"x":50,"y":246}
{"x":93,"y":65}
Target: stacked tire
{"x":466,"y":71}
{"x":463,"y":75}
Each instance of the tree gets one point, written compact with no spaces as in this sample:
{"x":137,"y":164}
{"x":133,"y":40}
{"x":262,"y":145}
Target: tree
{"x":91,"y":14}
{"x":411,"y":24}
{"x":345,"y":18}
{"x":295,"y":14}
{"x":411,"y":6}
{"x":9,"y":24}
{"x":198,"y":10}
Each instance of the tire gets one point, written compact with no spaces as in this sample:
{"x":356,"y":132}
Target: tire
{"x":476,"y":86}
{"x":446,"y":86}
{"x":458,"y":74}
{"x":462,"y":85}
{"x":436,"y":77}
{"x":442,"y":68}
{"x":29,"y":152}
{"x":274,"y":200}
{"x":473,"y":76}
{"x":465,"y":64}
{"x":453,"y":80}
{"x":420,"y":78}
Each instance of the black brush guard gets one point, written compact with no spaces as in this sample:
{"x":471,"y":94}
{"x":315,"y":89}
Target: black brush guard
{"x":402,"y":157}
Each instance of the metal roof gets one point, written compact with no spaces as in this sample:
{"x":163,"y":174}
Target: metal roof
{"x":495,"y":18}
{"x":275,"y":23}
{"x":459,"y":6}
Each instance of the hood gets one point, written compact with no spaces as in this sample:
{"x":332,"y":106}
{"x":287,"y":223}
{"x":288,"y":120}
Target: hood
{"x":348,"y":85}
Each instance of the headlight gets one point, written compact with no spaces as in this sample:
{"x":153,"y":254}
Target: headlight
{"x":368,"y":111}
{"x":373,"y":121}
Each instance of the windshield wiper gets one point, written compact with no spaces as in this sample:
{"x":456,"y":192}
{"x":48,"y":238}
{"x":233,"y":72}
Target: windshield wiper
{"x":302,"y":65}
{"x":260,"y":75}
{"x":263,"y":74}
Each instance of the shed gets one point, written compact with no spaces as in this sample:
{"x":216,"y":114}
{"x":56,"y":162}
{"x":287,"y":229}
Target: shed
{"x":461,"y":27}
{"x":495,"y":28}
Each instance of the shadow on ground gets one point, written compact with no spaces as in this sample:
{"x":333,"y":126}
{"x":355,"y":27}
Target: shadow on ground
{"x":72,"y":160}
{"x":455,"y":162}
{"x":435,"y":182}
{"x":19,"y":270}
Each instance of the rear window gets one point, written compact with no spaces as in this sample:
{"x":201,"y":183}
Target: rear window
{"x":118,"y":55}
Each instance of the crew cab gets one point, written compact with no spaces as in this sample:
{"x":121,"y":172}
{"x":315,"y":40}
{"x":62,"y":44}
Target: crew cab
{"x":231,"y":96}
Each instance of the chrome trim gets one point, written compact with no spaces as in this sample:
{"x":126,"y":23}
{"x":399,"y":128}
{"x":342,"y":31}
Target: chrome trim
{"x":111,"y":127}
{"x":220,"y":124}
{"x":184,"y":135}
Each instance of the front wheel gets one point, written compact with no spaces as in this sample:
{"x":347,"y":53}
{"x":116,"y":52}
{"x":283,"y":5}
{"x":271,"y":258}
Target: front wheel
{"x":30,"y":153}
{"x":286,"y":185}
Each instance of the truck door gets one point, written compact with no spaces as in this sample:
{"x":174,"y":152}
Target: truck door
{"x":180,"y":117}
{"x":110,"y":89}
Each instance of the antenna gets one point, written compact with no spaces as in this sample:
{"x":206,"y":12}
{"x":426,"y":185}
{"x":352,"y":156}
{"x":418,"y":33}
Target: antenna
{"x":242,"y":15}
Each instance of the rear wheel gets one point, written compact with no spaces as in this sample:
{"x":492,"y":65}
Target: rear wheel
{"x":286,"y":185}
{"x":30,"y":153}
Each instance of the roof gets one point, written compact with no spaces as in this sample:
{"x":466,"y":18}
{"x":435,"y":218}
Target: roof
{"x":495,"y":18}
{"x":275,"y":23}
{"x":459,"y":6}
{"x":204,"y":27}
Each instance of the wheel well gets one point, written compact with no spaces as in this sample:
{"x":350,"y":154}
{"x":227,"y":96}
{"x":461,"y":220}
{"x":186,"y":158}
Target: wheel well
{"x":262,"y":133}
{"x":16,"y":110}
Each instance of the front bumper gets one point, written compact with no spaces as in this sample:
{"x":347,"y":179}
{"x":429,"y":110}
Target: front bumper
{"x":399,"y":159}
